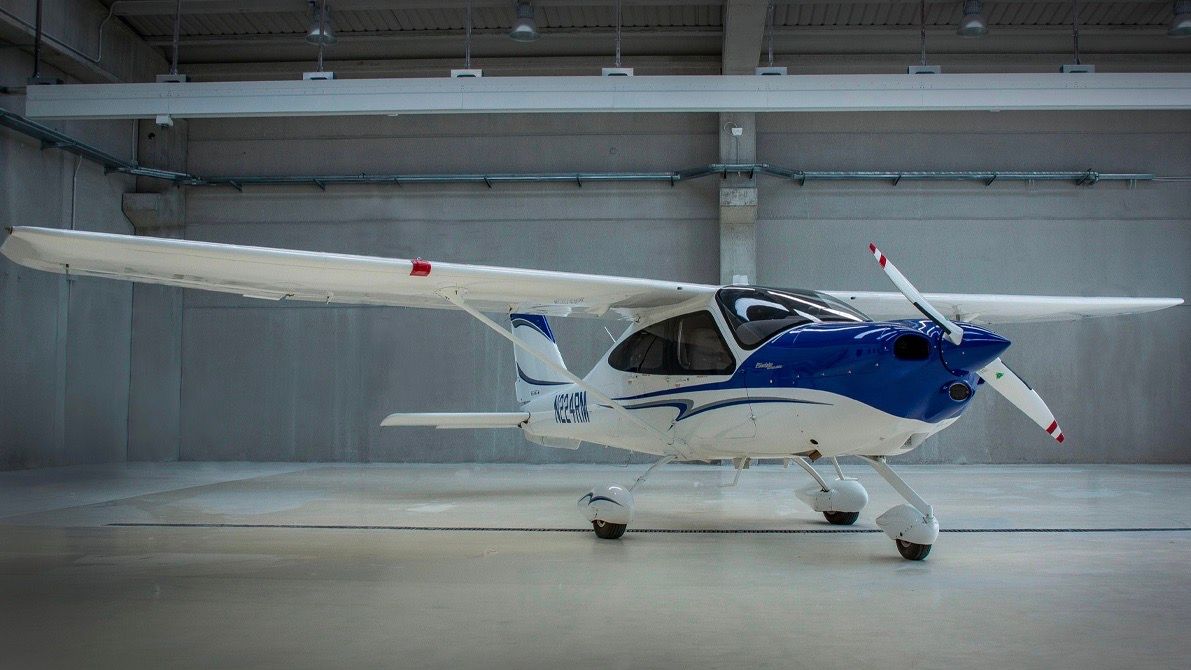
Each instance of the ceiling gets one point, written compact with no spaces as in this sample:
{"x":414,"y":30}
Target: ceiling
{"x":224,"y":39}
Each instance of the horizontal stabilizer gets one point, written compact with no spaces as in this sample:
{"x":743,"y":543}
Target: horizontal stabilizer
{"x":458,"y":419}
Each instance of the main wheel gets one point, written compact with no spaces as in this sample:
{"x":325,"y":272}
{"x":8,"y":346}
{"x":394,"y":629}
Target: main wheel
{"x":611,"y":531}
{"x":911,"y":551}
{"x":841,"y":518}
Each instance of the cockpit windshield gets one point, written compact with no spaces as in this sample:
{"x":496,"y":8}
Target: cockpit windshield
{"x":755,"y":314}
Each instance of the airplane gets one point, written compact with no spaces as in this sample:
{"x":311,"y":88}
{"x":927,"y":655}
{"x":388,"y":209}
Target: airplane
{"x":702,"y":372}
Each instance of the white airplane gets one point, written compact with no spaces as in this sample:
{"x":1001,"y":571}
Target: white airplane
{"x":702,"y":372}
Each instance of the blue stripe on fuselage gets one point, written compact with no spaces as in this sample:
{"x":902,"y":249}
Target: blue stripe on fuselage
{"x":854,"y":360}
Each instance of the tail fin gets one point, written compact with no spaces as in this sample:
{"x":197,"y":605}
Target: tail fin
{"x":535,"y":378}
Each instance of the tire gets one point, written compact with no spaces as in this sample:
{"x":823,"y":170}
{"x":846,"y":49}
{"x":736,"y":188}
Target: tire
{"x":608,"y":531}
{"x":911,"y":551}
{"x":841,"y":518}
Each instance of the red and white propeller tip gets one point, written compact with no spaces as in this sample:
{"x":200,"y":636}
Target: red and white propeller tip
{"x":954,"y":333}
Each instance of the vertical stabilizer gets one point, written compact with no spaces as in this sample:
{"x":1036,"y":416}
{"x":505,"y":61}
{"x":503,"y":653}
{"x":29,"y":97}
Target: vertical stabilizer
{"x":535,"y":378}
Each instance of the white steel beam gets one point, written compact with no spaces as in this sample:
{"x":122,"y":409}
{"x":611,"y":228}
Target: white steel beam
{"x":695,"y":93}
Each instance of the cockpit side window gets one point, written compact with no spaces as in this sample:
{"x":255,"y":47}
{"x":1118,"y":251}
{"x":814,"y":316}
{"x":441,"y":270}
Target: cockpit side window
{"x":755,"y":314}
{"x":690,"y":344}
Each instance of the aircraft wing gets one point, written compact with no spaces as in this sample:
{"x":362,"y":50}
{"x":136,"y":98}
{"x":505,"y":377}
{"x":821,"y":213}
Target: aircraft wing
{"x":280,"y":274}
{"x":988,"y":308}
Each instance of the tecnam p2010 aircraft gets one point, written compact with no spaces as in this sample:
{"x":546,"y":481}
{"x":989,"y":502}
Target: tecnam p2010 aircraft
{"x":702,"y":372}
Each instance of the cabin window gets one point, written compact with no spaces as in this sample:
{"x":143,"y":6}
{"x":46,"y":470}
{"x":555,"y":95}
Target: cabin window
{"x":690,"y":344}
{"x":756,"y":314}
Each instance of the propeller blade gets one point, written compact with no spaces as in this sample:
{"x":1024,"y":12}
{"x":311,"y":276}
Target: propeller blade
{"x":955,"y":334}
{"x":1017,"y":391}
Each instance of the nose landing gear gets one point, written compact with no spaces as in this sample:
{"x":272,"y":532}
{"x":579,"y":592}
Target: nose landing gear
{"x":913,"y":527}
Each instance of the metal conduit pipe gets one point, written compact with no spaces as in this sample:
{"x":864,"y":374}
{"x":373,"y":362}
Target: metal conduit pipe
{"x":51,"y":138}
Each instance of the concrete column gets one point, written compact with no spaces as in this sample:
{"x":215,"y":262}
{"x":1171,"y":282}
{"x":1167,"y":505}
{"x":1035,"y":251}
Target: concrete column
{"x":157,"y":203}
{"x":738,"y":199}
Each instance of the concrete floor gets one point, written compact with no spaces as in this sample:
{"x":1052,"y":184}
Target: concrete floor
{"x":303,"y":589}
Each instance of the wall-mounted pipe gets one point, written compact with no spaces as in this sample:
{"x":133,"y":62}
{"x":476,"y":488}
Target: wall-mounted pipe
{"x":51,"y":138}
{"x":987,"y":177}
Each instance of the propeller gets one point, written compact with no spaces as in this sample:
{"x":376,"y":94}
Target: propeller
{"x":955,"y":334}
{"x":1017,"y":391}
{"x":996,"y":374}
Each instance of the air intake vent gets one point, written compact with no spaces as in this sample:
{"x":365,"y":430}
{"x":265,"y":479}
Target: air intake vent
{"x":911,"y":348}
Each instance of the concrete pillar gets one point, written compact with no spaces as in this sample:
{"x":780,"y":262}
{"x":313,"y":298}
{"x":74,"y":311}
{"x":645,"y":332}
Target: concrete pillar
{"x":738,"y":199}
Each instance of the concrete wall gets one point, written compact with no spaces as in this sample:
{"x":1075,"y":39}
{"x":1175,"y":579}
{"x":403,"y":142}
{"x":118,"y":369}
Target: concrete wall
{"x":64,"y":370}
{"x":274,"y":381}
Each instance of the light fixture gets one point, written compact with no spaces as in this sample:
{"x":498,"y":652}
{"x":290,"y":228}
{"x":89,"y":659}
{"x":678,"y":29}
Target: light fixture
{"x":973,"y":23}
{"x":321,"y":31}
{"x":1180,"y":25}
{"x":524,"y":29}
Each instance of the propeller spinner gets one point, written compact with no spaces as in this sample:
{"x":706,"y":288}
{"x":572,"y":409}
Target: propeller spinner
{"x":996,"y":374}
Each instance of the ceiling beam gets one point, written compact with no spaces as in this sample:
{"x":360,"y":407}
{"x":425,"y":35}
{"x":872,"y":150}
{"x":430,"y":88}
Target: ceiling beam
{"x":743,"y":93}
{"x":167,"y":7}
{"x":744,"y":29}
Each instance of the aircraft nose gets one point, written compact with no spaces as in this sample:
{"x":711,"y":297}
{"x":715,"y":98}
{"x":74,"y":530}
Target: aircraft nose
{"x":978,"y":348}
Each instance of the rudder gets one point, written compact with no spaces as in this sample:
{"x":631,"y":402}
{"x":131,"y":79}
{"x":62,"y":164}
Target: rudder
{"x":535,"y":378}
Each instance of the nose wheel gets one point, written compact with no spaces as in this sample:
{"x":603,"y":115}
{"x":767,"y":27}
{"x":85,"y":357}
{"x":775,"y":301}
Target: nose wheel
{"x":909,"y":550}
{"x":611,"y":531}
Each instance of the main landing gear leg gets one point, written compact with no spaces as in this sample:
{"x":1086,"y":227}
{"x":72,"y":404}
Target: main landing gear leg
{"x":913,"y":528}
{"x":840,"y":501}
{"x":610,"y":508}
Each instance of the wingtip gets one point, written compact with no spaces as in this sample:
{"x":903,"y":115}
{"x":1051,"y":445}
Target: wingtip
{"x":872,"y":248}
{"x":9,"y":230}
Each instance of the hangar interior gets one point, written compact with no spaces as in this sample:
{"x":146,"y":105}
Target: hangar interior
{"x":141,"y":404}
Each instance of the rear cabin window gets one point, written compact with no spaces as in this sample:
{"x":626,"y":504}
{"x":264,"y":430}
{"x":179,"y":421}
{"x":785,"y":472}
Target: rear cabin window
{"x":685,"y":345}
{"x":756,"y":314}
